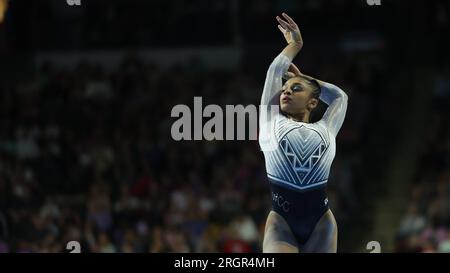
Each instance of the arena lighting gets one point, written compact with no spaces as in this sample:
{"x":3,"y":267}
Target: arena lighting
{"x":3,"y":8}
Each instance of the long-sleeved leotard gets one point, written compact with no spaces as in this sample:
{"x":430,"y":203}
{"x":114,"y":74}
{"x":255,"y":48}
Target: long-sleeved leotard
{"x":298,"y":155}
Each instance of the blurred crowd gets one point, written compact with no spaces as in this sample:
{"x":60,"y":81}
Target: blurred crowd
{"x":425,"y":227}
{"x":52,"y":24}
{"x":86,"y":155}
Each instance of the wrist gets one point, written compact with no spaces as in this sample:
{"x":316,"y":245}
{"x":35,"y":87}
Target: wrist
{"x":296,"y":44}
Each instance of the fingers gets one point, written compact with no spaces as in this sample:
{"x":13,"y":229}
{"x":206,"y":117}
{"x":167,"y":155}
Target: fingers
{"x":288,"y":75}
{"x":289,"y":24}
{"x":289,"y":19}
{"x":294,"y":69}
{"x":281,"y":29}
{"x":284,"y":24}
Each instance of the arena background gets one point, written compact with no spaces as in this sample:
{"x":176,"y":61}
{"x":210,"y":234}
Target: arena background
{"x":86,"y":95}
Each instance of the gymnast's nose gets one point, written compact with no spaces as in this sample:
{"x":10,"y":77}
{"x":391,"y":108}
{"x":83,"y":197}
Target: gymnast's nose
{"x":287,"y":91}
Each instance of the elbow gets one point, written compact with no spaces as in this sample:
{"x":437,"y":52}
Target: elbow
{"x":344,"y":99}
{"x":344,"y":96}
{"x":341,"y":94}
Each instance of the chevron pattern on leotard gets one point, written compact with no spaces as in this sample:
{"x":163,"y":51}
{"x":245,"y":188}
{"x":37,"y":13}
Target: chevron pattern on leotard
{"x":303,"y":148}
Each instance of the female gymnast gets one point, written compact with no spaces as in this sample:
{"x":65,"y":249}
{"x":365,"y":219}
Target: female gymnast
{"x":298,"y":154}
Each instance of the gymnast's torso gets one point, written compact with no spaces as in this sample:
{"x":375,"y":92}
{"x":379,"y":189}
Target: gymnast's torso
{"x":298,"y":155}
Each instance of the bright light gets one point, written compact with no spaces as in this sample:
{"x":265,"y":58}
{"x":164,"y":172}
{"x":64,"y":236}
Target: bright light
{"x":3,"y":7}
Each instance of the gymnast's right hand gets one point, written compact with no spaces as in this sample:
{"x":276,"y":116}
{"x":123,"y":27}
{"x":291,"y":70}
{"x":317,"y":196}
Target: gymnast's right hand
{"x":290,"y":30}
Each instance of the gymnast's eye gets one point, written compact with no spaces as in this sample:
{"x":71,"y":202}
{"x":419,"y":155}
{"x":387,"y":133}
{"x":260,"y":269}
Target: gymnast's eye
{"x":296,"y":88}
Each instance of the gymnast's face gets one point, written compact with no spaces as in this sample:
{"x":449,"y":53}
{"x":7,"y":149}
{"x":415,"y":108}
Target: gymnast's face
{"x":297,"y":97}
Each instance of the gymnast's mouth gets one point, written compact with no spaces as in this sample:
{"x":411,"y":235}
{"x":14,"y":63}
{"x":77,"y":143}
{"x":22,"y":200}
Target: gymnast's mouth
{"x":286,"y":99}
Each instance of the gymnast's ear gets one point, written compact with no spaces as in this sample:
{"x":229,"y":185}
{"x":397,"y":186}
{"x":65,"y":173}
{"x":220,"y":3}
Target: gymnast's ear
{"x":312,"y":104}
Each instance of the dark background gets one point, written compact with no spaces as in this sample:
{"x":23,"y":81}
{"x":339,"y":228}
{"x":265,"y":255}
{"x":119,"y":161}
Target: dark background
{"x":86,"y":95}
